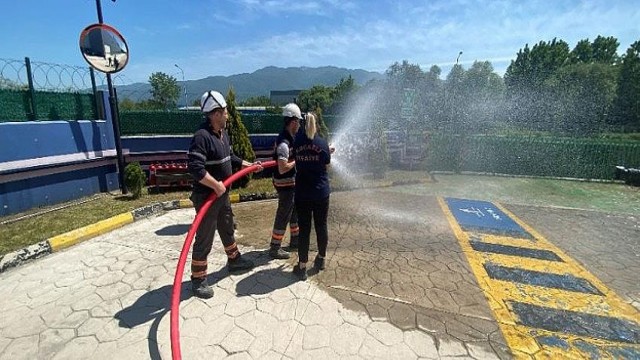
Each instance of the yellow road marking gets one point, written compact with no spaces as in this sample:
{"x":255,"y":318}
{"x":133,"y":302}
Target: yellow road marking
{"x":578,"y":270}
{"x":498,"y":293}
{"x":507,"y":241}
{"x":75,"y":236}
{"x":555,"y":298}
{"x":513,"y":261}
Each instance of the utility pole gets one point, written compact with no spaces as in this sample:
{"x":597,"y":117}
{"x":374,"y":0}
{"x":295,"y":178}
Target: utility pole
{"x":461,"y":140}
{"x":115,"y":117}
{"x":184,"y":85}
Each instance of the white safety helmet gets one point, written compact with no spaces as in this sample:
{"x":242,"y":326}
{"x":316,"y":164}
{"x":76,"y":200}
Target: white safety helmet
{"x":291,"y":110}
{"x":212,"y":100}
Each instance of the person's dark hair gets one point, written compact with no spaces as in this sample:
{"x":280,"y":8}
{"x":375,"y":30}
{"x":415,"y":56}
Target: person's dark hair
{"x":288,"y":120}
{"x":219,"y":109}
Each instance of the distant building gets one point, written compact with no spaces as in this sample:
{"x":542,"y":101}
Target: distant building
{"x":283,"y":97}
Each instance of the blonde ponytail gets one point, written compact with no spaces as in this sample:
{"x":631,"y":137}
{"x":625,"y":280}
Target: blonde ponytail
{"x":310,"y":130}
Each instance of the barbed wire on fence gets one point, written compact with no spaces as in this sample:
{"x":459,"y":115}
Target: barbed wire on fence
{"x":53,"y":77}
{"x":13,"y":74}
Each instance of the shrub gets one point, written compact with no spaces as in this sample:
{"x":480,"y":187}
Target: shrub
{"x":134,"y":179}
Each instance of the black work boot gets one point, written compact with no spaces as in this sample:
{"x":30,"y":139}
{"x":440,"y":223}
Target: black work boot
{"x":300,"y":273}
{"x":201,"y":288}
{"x":276,"y":252}
{"x":293,"y":243}
{"x":318,"y":263}
{"x":239,"y":263}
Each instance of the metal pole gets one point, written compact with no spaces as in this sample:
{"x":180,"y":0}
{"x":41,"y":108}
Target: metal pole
{"x":32,"y":92}
{"x":184,"y":85}
{"x":115,"y":119}
{"x":92,"y":74}
{"x":461,"y":138}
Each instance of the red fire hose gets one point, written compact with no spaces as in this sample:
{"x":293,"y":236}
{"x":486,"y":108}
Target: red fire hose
{"x":177,"y":281}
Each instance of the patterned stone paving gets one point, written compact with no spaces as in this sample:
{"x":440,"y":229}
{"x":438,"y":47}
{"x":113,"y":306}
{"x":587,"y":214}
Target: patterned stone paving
{"x":397,"y":286}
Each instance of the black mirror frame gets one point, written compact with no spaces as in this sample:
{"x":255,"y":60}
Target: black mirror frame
{"x":111,"y":30}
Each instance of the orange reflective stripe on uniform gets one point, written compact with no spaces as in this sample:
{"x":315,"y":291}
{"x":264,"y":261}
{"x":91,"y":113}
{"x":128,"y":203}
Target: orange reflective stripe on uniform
{"x":199,"y":274}
{"x":232,"y":251}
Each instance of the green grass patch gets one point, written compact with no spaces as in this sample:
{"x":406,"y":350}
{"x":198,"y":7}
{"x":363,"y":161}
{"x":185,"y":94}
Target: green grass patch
{"x":42,"y":223}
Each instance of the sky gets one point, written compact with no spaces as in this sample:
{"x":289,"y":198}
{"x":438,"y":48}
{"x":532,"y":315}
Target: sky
{"x":226,"y":37}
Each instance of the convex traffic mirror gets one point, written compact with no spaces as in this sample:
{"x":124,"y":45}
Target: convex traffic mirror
{"x":104,"y":48}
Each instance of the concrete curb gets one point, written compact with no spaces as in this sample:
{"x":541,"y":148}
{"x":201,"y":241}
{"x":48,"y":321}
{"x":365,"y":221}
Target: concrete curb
{"x":73,"y":237}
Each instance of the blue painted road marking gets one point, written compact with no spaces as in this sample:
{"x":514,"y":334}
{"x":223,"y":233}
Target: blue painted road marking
{"x":484,"y":217}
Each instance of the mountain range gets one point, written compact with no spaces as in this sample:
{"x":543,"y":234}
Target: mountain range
{"x":257,"y":83}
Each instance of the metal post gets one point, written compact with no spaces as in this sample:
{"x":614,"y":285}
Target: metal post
{"x":459,"y":137}
{"x":184,"y":85}
{"x":115,"y":119}
{"x":92,"y":74}
{"x":33,"y":116}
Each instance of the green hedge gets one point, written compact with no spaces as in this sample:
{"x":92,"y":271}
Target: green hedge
{"x":576,"y":158}
{"x":15,"y":105}
{"x":185,"y":122}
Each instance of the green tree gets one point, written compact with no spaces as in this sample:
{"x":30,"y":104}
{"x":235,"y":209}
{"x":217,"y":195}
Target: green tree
{"x":127,"y":104}
{"x":164,"y":89}
{"x":532,"y":67}
{"x":627,"y":103}
{"x":454,"y":95}
{"x":318,"y":96}
{"x":405,"y":75}
{"x":581,"y":97}
{"x":431,"y":104}
{"x":342,"y":94}
{"x":525,"y":82}
{"x":401,"y":95}
{"x":482,"y":94}
{"x":582,"y":53}
{"x":239,"y":136}
{"x":605,"y":50}
{"x":602,"y":50}
{"x":322,"y":128}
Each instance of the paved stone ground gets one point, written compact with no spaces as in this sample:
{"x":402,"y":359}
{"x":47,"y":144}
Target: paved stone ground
{"x":397,"y":286}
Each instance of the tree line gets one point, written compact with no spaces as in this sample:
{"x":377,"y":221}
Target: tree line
{"x":548,"y":87}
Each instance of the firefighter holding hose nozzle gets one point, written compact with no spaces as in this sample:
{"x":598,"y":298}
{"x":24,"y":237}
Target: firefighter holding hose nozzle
{"x":210,"y":163}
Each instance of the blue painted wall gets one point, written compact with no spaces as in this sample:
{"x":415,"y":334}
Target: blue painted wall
{"x":22,"y":195}
{"x":33,"y":140}
{"x":165,"y":143}
{"x":28,"y":140}
{"x":177,"y":143}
